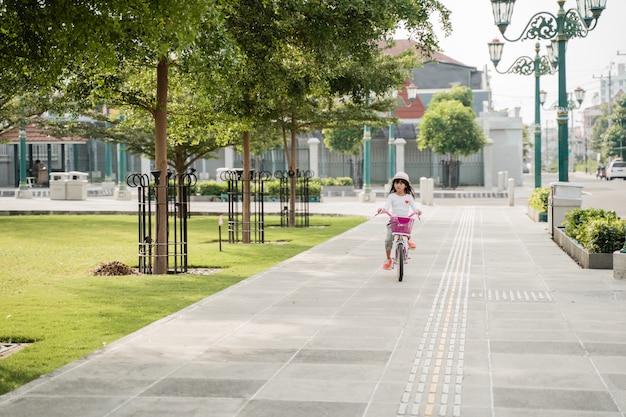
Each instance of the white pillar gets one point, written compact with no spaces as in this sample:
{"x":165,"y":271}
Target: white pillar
{"x":423,"y":190}
{"x":488,"y":164}
{"x":145,"y":165}
{"x":314,"y":144}
{"x":400,"y":154}
{"x":229,"y":157}
{"x":431,"y":192}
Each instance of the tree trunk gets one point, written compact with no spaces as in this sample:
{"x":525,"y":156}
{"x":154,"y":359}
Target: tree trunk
{"x":453,"y":181}
{"x":160,"y":159}
{"x":246,"y":188}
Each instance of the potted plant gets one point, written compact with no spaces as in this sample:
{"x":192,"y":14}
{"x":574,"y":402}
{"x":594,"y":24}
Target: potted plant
{"x":339,"y":186}
{"x":210,"y":190}
{"x":590,"y":236}
{"x":538,"y":204}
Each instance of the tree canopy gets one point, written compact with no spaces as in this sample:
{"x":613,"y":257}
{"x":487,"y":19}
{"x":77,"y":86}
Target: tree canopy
{"x":449,"y":126}
{"x":203,"y":69}
{"x":344,"y":140}
{"x":615,"y":136}
{"x":460,"y":93}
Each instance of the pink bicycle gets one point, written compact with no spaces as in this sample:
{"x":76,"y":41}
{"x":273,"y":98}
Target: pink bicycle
{"x":400,"y":230}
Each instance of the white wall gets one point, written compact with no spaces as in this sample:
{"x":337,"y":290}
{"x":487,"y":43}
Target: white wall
{"x":504,"y":131}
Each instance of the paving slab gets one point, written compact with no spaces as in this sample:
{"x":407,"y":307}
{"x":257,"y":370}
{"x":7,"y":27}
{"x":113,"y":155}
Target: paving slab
{"x":492,"y":319}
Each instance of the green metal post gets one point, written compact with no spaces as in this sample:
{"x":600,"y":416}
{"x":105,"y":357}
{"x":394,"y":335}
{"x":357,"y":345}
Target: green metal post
{"x":392,"y":150}
{"x":537,"y":117}
{"x":23,"y":183}
{"x":562,"y":111}
{"x":367,"y":143}
{"x":75,"y":153}
{"x":24,"y":190}
{"x":108,"y":164}
{"x":122,"y":166}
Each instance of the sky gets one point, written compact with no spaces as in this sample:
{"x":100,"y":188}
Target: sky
{"x":587,"y":59}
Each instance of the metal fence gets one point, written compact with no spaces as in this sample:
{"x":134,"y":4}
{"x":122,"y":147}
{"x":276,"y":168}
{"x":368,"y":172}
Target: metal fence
{"x":256,"y":227}
{"x":302,"y":179}
{"x":177,"y":186}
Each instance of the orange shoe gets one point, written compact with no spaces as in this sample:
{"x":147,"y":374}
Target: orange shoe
{"x":387,"y":264}
{"x":412,"y":245}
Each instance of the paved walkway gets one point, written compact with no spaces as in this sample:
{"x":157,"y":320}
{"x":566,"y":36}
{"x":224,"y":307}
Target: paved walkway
{"x":492,"y":319}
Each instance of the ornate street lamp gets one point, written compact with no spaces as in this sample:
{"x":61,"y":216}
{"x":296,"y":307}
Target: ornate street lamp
{"x":573,"y":23}
{"x":525,"y":65}
{"x":392,"y":140}
{"x":574,"y":101}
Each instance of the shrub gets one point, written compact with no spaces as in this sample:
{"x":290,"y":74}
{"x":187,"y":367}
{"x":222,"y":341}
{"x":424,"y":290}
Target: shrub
{"x":338,"y":181}
{"x":596,"y":230}
{"x":538,"y":199}
{"x":211,"y":188}
{"x":604,"y":235}
{"x":271,"y":188}
{"x":315,"y":189}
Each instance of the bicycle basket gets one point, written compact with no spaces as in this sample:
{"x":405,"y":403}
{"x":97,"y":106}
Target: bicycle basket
{"x":402,"y":225}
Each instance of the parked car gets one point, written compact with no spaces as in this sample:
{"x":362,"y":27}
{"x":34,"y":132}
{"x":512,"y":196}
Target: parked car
{"x":617,"y":169}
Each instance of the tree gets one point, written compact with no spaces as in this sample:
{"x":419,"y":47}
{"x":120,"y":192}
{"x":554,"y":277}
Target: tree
{"x":302,"y":56}
{"x":449,"y":127}
{"x":600,"y":125}
{"x":527,"y":145}
{"x":615,"y":135}
{"x":145,"y":40}
{"x":347,"y":141}
{"x":460,"y":93}
{"x":261,"y":63}
{"x":32,"y":55}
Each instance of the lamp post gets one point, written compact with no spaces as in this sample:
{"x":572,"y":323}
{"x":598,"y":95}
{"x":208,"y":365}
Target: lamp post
{"x":559,"y":28}
{"x":524,"y":65}
{"x":24,"y":190}
{"x":574,"y":101}
{"x":392,"y":140}
{"x":367,"y":144}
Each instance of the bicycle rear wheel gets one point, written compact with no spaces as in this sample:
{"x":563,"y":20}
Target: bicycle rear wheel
{"x":400,"y":260}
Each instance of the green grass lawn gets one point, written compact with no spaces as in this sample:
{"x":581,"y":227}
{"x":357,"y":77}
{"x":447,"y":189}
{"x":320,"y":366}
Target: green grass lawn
{"x":49,"y":296}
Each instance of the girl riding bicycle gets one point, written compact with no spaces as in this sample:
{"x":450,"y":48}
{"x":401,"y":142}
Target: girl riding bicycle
{"x":400,"y":202}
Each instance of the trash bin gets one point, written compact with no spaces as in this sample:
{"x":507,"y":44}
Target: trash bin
{"x":42,"y":177}
{"x":564,"y":197}
{"x":221,"y":174}
{"x":58,"y":185}
{"x":76,"y":186}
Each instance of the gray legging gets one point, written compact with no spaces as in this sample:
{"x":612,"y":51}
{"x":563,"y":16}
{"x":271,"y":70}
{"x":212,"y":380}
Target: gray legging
{"x":388,"y":238}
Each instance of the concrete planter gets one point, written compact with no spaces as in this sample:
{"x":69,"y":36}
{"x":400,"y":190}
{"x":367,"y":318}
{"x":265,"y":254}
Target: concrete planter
{"x":537,"y":216}
{"x":209,"y":198}
{"x":582,"y":257}
{"x":619,"y":265}
{"x":338,"y":191}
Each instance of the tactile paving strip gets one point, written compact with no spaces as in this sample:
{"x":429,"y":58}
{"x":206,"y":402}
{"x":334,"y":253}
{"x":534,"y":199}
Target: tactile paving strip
{"x":434,"y":385}
{"x":515,"y":296}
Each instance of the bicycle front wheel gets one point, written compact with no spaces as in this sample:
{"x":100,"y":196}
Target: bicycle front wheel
{"x":400,"y":260}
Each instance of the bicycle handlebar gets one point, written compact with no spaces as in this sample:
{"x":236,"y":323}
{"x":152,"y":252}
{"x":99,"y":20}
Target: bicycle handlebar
{"x":391,"y":215}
